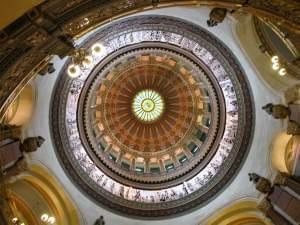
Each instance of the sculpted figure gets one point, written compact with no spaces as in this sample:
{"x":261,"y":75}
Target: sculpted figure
{"x":31,"y":144}
{"x":216,"y":16}
{"x":262,"y":184}
{"x":277,"y":111}
{"x":100,"y":221}
{"x":48,"y":68}
{"x":282,"y":112}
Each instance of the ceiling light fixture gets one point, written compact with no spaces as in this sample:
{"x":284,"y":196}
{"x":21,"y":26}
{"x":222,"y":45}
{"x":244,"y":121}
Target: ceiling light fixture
{"x":97,"y":49}
{"x":51,"y":220}
{"x":275,"y":59}
{"x":282,"y":72}
{"x":83,"y":59}
{"x":275,"y":66}
{"x":44,"y":217}
{"x":14,"y":220}
{"x":73,"y":71}
{"x":47,"y":219}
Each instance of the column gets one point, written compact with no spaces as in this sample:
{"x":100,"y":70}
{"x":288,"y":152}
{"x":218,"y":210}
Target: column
{"x":119,"y":157}
{"x":286,"y":203}
{"x":147,"y":166}
{"x":284,"y":180}
{"x":132,"y":166}
{"x":174,"y":159}
{"x":162,"y":166}
{"x":187,"y":152}
{"x":266,"y":207}
{"x":10,"y":154}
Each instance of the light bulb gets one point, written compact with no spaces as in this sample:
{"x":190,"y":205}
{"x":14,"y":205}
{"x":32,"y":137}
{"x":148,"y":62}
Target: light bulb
{"x":275,"y":59}
{"x":275,"y":66}
{"x":44,"y":217}
{"x":51,"y":220}
{"x":73,"y":71}
{"x":88,"y":61}
{"x":282,"y":72}
{"x":97,"y":49}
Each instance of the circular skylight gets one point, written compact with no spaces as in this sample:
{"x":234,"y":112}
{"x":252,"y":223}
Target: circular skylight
{"x":148,"y":105}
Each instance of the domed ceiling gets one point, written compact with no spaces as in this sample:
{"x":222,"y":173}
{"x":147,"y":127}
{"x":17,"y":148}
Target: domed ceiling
{"x":160,"y":120}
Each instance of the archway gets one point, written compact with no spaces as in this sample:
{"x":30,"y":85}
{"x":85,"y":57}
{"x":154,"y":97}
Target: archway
{"x":241,"y":212}
{"x":37,"y":196}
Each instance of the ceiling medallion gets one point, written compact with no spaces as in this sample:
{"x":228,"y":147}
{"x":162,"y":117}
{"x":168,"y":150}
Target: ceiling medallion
{"x":148,"y":105}
{"x":159,"y":123}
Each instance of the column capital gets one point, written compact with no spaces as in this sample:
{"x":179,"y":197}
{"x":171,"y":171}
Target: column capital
{"x":281,"y":178}
{"x":264,"y":206}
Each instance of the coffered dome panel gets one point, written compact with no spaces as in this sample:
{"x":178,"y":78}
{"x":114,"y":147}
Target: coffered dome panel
{"x":160,"y":122}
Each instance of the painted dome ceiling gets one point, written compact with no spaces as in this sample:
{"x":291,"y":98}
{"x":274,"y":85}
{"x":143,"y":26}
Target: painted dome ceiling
{"x":158,"y":123}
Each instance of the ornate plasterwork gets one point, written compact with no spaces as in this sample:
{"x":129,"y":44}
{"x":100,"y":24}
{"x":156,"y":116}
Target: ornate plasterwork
{"x":207,"y":181}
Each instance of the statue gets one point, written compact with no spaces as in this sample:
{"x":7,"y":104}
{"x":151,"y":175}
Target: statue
{"x":48,"y":68}
{"x":31,"y":144}
{"x":281,"y":112}
{"x":100,"y":221}
{"x":262,"y":184}
{"x":277,"y":111}
{"x":253,"y":177}
{"x":216,"y":16}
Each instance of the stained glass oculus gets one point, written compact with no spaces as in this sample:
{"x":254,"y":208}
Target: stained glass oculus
{"x":148,"y":105}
